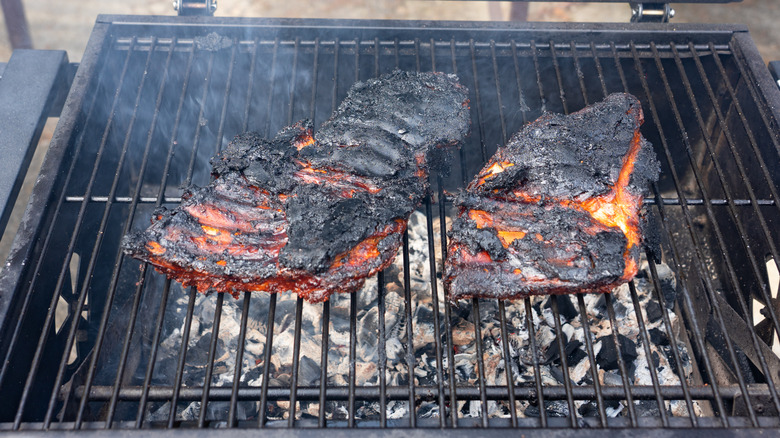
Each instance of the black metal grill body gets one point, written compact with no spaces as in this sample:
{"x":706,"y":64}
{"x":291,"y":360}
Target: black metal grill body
{"x":155,"y":97}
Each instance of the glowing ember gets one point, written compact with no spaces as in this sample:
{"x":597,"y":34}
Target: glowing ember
{"x":493,"y":170}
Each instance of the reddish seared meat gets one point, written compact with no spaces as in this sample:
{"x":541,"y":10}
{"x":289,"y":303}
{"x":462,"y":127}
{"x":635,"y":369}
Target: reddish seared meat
{"x":311,"y":213}
{"x":557,"y":210}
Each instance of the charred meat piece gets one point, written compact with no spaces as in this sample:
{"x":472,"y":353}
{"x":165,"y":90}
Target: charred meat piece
{"x":558,"y":209}
{"x":311,"y":213}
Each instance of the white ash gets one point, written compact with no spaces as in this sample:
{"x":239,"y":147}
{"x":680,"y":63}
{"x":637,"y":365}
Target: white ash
{"x":425,"y":371}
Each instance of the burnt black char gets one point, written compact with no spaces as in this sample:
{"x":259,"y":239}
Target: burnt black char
{"x":525,"y":226}
{"x":312,"y":213}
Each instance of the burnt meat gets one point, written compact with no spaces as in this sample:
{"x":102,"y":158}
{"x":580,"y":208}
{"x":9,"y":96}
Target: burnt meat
{"x":558,"y":209}
{"x":311,"y":213}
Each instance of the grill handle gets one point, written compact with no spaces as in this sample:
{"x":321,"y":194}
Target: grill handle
{"x":33,"y":86}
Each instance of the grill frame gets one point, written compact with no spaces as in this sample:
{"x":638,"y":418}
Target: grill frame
{"x":57,"y":162}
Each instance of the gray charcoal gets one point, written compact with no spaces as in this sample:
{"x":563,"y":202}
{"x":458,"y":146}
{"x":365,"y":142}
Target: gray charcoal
{"x":608,"y":356}
{"x":654,"y":311}
{"x":565,"y":307}
{"x":520,"y":362}
{"x":612,"y":378}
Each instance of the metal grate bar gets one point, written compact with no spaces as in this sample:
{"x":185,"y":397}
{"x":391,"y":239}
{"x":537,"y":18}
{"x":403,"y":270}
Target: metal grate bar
{"x":499,"y":102}
{"x":529,"y":323}
{"x":434,"y":284}
{"x":353,"y":298}
{"x":210,"y":362}
{"x":152,"y":357}
{"x":561,"y":90}
{"x":410,"y":361}
{"x":199,"y":124}
{"x":480,"y":360}
{"x":251,"y":81}
{"x":600,"y":70}
{"x":507,"y":363}
{"x":125,"y":349}
{"x":697,"y":245}
{"x":534,"y":53}
{"x":295,"y":361}
{"x":673,"y":341}
{"x":352,"y":349}
{"x":324,"y":363}
{"x":448,"y":199}
{"x":424,"y":392}
{"x":291,"y":105}
{"x":475,"y":302}
{"x":501,"y":306}
{"x":65,"y":265}
{"x":271,"y":86}
{"x":620,"y":361}
{"x":562,"y":339}
{"x":698,"y":341}
{"x":520,"y":97}
{"x":592,"y":359}
{"x":185,"y":337}
{"x":269,"y":341}
{"x":447,"y":308}
{"x":478,"y":105}
{"x":580,"y":74}
{"x":239,"y":361}
{"x":738,"y":222}
{"x":326,"y":305}
{"x":123,"y":42}
{"x":529,"y":316}
{"x":646,"y":343}
{"x":382,"y":355}
{"x":299,"y":303}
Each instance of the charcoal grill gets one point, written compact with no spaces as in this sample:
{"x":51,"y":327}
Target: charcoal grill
{"x":155,"y":97}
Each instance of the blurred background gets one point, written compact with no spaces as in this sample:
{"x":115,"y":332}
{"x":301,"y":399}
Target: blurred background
{"x":66,"y":24}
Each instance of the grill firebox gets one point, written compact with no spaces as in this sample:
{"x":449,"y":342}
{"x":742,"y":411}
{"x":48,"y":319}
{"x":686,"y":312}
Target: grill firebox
{"x":155,"y":97}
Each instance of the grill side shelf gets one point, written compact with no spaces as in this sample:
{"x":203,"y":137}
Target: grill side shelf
{"x":28,"y":89}
{"x":33,"y":220}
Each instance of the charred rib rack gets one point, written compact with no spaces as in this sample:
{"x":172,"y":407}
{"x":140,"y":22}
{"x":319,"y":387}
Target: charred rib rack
{"x":557,"y":210}
{"x":312,"y":214}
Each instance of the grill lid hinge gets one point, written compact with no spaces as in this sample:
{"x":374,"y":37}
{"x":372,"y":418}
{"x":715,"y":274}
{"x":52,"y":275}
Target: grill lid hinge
{"x":195,"y":7}
{"x":651,"y":12}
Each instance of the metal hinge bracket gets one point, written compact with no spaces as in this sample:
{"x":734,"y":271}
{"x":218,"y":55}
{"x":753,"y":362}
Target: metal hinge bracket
{"x":195,"y":7}
{"x":651,"y":12}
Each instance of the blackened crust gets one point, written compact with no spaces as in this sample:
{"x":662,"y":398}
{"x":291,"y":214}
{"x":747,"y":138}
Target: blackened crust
{"x":524,"y":227}
{"x":311,"y":214}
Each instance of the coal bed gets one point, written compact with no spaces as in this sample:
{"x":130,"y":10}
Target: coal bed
{"x":661,"y":324}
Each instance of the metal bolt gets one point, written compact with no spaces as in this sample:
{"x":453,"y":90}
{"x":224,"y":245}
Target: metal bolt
{"x":671,"y":13}
{"x":176,"y":5}
{"x":212,"y":6}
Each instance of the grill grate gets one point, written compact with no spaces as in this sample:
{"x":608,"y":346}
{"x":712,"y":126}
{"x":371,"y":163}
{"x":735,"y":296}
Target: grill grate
{"x":154,"y":102}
